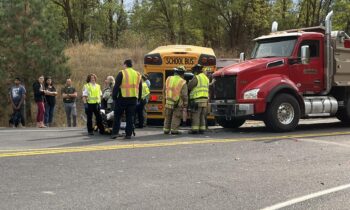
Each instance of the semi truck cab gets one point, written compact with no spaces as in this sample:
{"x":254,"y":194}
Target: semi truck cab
{"x":292,"y":74}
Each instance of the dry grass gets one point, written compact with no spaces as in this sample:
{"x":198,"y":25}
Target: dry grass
{"x":94,"y":58}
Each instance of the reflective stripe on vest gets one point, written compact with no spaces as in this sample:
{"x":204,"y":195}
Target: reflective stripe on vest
{"x":145,"y":90}
{"x":94,"y":92}
{"x":202,"y":88}
{"x":130,"y":83}
{"x":173,"y":87}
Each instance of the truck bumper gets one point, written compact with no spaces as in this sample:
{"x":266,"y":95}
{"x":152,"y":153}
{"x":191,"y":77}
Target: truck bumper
{"x":232,"y":110}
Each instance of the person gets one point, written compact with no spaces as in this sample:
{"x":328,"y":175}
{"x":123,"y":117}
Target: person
{"x":126,"y":93}
{"x":69,"y":95}
{"x":92,"y":99}
{"x":176,"y":96}
{"x":17,"y":96}
{"x":107,"y":99}
{"x":199,"y":94}
{"x":39,"y":93}
{"x":140,"y":107}
{"x":50,"y":101}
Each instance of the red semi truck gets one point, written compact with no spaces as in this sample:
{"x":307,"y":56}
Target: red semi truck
{"x":293,"y":74}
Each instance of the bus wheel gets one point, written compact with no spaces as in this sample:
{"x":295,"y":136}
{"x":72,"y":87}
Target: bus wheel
{"x":233,"y":123}
{"x":282,"y":114}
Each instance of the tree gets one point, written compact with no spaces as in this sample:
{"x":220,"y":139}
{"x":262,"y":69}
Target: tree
{"x":30,"y":44}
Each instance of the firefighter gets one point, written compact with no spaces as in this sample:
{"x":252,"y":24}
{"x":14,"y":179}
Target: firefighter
{"x":143,"y":102}
{"x":199,"y":94}
{"x":176,"y":95}
{"x":127,"y":92}
{"x":92,"y":99}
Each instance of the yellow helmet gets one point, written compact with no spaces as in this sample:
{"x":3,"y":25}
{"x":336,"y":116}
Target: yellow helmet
{"x":181,"y":68}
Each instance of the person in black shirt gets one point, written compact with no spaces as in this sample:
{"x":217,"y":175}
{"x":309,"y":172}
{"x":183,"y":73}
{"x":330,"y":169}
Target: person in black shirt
{"x":69,"y":95}
{"x":50,"y":101}
{"x":125,"y":104}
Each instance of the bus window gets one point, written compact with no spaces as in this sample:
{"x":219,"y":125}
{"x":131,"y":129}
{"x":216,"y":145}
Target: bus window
{"x":156,"y":80}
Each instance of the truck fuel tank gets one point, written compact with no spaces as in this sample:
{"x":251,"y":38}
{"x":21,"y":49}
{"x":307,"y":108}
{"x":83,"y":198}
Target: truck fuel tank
{"x":320,"y":106}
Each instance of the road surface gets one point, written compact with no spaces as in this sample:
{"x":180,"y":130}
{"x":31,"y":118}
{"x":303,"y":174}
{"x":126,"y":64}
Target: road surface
{"x":248,"y":168}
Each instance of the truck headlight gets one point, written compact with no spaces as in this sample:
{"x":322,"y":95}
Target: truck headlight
{"x":251,"y":94}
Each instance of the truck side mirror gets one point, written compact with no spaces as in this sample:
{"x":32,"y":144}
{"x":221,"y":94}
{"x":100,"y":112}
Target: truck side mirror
{"x":347,"y":43}
{"x":305,"y":54}
{"x":241,"y":57}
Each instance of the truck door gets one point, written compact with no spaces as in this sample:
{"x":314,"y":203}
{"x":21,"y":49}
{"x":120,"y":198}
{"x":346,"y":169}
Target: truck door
{"x":309,"y":77}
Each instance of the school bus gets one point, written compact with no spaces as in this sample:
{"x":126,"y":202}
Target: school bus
{"x":159,"y":65}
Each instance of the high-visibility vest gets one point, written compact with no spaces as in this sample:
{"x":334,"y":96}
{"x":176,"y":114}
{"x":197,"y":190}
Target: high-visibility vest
{"x":145,"y":90}
{"x":94,"y":92}
{"x":130,"y":83}
{"x":173,"y":88}
{"x":202,"y":88}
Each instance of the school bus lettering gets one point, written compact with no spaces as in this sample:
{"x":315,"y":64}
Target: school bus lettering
{"x":179,"y":61}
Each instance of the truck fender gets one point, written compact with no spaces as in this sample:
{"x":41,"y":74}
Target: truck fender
{"x":271,"y":85}
{"x":286,"y":88}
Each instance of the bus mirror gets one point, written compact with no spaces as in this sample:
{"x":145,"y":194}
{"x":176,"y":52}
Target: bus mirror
{"x":241,"y":57}
{"x":305,"y":54}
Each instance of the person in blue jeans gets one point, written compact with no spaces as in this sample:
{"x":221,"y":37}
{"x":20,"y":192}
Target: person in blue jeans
{"x":50,"y":101}
{"x":17,"y":96}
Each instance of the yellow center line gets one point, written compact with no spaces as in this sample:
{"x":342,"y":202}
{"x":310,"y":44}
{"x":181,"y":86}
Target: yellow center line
{"x":61,"y":150}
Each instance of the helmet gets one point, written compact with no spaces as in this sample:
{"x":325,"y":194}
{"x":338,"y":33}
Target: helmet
{"x":197,"y":68}
{"x":179,"y":70}
{"x":182,"y":68}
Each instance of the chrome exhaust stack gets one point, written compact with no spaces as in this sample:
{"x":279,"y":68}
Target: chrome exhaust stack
{"x":329,"y":54}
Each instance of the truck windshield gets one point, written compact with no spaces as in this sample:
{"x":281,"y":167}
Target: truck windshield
{"x":275,"y":47}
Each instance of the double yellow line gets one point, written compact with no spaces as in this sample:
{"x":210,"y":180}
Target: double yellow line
{"x":61,"y":150}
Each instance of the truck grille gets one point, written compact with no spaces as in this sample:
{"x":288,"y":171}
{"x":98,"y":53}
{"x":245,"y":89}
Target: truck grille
{"x":224,"y":88}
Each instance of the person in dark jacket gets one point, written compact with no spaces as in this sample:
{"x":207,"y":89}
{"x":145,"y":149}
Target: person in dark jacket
{"x":127,"y":92}
{"x":39,"y":93}
{"x":50,"y":101}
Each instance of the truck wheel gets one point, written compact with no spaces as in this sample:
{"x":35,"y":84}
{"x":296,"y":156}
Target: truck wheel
{"x":344,"y":114}
{"x":233,"y":123}
{"x":282,"y":114}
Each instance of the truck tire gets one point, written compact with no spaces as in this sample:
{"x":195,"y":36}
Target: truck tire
{"x":233,"y":123}
{"x":344,"y":114}
{"x":282,"y":114}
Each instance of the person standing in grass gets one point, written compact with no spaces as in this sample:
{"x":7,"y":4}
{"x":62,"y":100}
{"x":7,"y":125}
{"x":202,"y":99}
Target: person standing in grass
{"x":39,"y":93}
{"x":50,"y":101}
{"x":69,"y":95}
{"x":17,"y":97}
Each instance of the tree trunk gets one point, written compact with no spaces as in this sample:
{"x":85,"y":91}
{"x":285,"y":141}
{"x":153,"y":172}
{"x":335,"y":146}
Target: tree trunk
{"x":110,"y":24}
{"x":182,"y":38}
{"x":120,"y":20}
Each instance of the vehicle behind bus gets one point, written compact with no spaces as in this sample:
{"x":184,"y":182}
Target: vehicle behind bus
{"x":159,"y":65}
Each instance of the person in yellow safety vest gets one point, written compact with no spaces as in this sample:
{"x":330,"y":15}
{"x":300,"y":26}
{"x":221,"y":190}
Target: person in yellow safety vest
{"x":92,"y":99}
{"x":127,"y":92}
{"x":199,"y":94}
{"x":176,"y":96}
{"x":144,"y":100}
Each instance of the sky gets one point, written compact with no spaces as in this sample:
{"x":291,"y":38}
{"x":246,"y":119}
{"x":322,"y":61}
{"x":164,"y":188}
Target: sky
{"x":128,"y":4}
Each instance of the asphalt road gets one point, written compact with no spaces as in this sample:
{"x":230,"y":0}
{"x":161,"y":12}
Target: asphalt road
{"x":248,"y":168}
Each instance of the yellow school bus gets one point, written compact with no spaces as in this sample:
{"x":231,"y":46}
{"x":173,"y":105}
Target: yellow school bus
{"x":159,"y":64}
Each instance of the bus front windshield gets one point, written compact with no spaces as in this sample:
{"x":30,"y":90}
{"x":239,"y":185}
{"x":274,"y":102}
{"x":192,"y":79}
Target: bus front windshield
{"x":275,"y":47}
